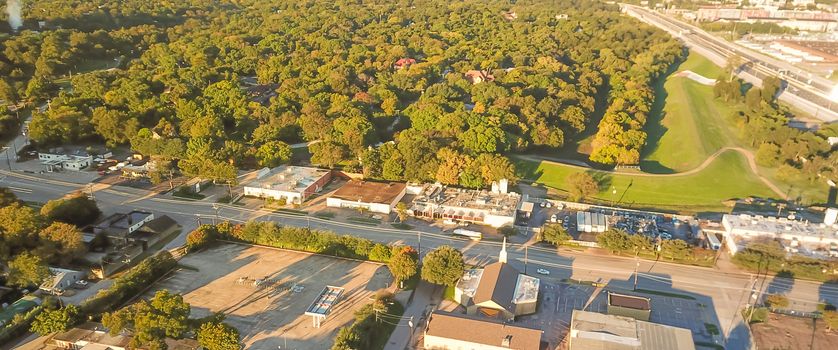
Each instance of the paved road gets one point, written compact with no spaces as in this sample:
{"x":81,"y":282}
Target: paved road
{"x":728,"y":290}
{"x":811,"y":94}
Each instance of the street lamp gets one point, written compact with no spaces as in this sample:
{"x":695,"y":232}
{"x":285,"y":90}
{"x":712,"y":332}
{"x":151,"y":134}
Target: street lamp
{"x":8,"y":162}
{"x":216,"y":207}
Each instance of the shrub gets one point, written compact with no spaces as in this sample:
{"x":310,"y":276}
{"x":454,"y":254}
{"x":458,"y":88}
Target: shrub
{"x":131,"y":283}
{"x":777,"y":301}
{"x":201,"y":237}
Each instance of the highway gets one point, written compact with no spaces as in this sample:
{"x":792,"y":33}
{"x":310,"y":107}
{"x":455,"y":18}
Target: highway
{"x":725,"y":291}
{"x":809,"y":93}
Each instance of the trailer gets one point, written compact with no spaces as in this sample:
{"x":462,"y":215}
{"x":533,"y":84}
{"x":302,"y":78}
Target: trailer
{"x":713,"y":241}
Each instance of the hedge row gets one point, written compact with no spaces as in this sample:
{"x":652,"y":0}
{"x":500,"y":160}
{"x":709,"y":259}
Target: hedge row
{"x":294,"y":238}
{"x":133,"y":282}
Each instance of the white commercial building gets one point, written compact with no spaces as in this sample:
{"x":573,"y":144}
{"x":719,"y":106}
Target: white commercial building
{"x":57,"y":161}
{"x":591,"y":222}
{"x":294,"y":184}
{"x":495,"y":208}
{"x":743,"y":229}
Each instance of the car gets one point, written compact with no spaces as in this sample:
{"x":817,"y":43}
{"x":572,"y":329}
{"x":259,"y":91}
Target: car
{"x":567,"y":218}
{"x":82,"y":284}
{"x":554,"y":218}
{"x":549,"y":205}
{"x":565,"y":225}
{"x":665,"y":235}
{"x":542,"y":272}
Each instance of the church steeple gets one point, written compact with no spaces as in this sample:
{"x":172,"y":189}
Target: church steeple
{"x":502,"y":255}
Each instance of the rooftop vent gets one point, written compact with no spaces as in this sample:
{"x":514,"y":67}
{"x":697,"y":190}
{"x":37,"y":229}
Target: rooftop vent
{"x":507,"y":341}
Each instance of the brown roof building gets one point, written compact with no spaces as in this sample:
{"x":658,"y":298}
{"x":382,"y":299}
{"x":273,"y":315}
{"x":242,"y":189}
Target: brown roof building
{"x":497,"y":291}
{"x":630,"y":306}
{"x":454,"y":331}
{"x":377,"y":197}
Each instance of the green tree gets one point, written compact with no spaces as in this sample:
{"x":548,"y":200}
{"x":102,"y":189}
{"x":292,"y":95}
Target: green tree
{"x":767,"y":154}
{"x":201,"y":237}
{"x":402,"y":211}
{"x":327,"y":153}
{"x":581,"y":185}
{"x":555,"y":234}
{"x":152,"y":321}
{"x":78,"y":210}
{"x":831,"y":319}
{"x":53,"y":321}
{"x":64,"y":241}
{"x":676,"y":249}
{"x":444,"y":265}
{"x":218,"y":336}
{"x":484,"y":138}
{"x":404,"y":263}
{"x":7,"y":197}
{"x":27,"y":269}
{"x":273,"y":153}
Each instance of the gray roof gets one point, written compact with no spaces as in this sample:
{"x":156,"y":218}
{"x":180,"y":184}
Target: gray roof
{"x":595,"y":331}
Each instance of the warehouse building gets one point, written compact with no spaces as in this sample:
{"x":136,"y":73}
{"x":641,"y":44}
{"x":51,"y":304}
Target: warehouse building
{"x":591,"y":222}
{"x":815,"y":239}
{"x":376,"y":197}
{"x":453,"y":331}
{"x":591,"y":330}
{"x":494,"y":208}
{"x":294,"y":184}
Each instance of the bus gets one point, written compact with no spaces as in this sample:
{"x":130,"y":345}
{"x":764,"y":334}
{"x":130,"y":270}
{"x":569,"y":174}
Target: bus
{"x":468,"y":233}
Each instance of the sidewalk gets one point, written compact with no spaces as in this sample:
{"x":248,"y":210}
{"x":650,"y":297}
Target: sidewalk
{"x":424,"y":297}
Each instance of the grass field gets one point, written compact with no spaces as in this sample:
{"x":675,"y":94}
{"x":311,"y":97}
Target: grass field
{"x":726,"y":178}
{"x":687,"y":124}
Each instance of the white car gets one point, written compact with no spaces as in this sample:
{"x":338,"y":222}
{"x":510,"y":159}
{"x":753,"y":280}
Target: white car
{"x":554,"y":218}
{"x":81,"y":284}
{"x":542,"y":272}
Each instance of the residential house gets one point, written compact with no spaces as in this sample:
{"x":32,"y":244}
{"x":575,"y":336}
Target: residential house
{"x":61,"y":280}
{"x":479,"y":76}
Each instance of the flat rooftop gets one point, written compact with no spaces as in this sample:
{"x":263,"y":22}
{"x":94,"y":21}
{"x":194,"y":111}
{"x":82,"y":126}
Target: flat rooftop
{"x":760,"y":225}
{"x":288,"y":178}
{"x":629,"y":301}
{"x":465,"y":202}
{"x":370,"y":192}
{"x":476,"y":330}
{"x":325,"y":301}
{"x":469,"y":282}
{"x":591,"y":330}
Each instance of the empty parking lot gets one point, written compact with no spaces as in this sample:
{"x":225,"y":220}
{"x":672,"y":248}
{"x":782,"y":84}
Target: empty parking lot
{"x":270,"y":313}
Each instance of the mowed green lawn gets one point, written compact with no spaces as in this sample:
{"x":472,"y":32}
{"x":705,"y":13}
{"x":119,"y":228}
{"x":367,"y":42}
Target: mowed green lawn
{"x":687,"y":123}
{"x":726,"y":178}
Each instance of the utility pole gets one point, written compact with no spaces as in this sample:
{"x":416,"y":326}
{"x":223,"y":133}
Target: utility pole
{"x":8,"y":162}
{"x":526,"y":258}
{"x":636,"y":268}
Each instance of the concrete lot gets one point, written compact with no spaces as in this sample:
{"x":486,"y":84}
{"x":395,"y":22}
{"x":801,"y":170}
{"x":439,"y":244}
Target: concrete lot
{"x":270,"y":317}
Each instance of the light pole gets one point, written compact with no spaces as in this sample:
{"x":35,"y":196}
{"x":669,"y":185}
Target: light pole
{"x":8,"y":162}
{"x":216,"y":207}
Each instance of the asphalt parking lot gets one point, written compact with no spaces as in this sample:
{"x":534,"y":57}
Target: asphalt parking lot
{"x":558,"y":300}
{"x":272,"y":315}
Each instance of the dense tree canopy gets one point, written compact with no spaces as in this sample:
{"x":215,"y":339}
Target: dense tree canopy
{"x":443,"y":265}
{"x":221,"y":84}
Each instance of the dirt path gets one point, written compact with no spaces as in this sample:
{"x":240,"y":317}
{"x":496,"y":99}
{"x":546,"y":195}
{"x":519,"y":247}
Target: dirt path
{"x":748,"y":155}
